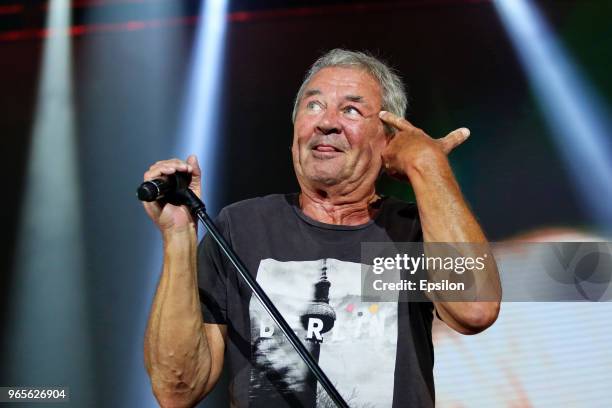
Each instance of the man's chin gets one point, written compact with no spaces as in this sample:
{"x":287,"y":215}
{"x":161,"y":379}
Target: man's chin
{"x":325,"y":178}
{"x":325,"y":172}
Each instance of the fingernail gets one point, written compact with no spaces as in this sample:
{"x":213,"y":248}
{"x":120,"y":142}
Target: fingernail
{"x":465,"y":132}
{"x":382,"y":113}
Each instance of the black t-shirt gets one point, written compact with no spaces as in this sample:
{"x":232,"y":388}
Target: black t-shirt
{"x":376,"y":354}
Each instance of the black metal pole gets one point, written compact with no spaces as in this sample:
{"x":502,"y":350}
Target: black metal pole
{"x":199,"y":209}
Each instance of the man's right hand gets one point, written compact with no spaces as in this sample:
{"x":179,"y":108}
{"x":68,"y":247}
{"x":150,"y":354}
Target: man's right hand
{"x":171,"y":216}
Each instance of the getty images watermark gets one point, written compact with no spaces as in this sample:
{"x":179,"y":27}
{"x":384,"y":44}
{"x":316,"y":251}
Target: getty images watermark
{"x":412,"y":265}
{"x":417,"y":271}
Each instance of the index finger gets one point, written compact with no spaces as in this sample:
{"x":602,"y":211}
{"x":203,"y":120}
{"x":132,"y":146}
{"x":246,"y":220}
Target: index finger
{"x":394,"y":120}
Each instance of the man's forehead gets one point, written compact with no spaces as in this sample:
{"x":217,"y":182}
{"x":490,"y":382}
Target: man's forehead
{"x":353,"y":82}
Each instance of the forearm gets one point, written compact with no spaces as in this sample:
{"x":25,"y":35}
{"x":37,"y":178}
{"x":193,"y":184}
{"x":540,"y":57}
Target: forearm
{"x":446,"y":217}
{"x":177,"y":355}
{"x":444,"y":214}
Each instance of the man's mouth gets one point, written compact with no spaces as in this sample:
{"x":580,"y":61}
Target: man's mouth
{"x":326,"y":148}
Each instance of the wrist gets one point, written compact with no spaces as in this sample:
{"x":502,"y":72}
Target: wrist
{"x":179,"y":232}
{"x":428,"y":163}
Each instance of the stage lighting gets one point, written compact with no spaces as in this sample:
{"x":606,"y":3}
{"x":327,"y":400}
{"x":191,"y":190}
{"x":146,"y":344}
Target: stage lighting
{"x":199,"y":132}
{"x":572,"y":109}
{"x":47,"y":337}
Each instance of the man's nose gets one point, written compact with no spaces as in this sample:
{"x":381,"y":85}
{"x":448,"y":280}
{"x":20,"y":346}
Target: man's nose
{"x":329,"y":122}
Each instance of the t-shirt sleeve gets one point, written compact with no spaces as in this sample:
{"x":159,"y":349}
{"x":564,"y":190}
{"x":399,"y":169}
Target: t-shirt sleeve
{"x":212,"y":276}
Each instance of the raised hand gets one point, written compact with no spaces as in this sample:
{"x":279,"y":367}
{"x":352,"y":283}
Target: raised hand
{"x":410,"y":147}
{"x":171,"y":216}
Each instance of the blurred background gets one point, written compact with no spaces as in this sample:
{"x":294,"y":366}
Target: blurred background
{"x":95,"y":91}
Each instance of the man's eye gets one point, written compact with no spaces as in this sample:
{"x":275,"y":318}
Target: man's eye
{"x":313,"y":106}
{"x":351,"y":110}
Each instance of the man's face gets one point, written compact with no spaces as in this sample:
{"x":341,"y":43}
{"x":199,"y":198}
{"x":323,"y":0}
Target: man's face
{"x":338,"y":137}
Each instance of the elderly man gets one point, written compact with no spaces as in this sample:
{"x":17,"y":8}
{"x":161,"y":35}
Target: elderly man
{"x":305,"y":252}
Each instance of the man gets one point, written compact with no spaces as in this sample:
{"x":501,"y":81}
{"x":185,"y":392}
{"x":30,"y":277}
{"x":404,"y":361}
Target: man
{"x":305,"y":252}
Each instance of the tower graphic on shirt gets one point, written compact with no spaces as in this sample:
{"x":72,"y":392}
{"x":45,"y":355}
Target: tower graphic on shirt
{"x":318,"y":318}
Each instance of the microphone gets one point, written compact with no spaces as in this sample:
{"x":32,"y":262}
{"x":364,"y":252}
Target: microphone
{"x":153,"y":190}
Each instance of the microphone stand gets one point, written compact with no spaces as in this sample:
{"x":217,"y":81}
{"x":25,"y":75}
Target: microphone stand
{"x":188,"y":198}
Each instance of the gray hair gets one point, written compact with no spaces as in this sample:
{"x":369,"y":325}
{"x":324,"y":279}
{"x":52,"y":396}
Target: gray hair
{"x":394,"y":97}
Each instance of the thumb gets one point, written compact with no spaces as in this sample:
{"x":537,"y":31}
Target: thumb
{"x":454,"y":139}
{"x":192,"y":160}
{"x":196,"y":175}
